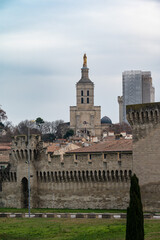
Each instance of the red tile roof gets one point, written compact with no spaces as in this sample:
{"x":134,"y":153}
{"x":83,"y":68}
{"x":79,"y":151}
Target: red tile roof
{"x":53,"y":147}
{"x":121,"y":145}
{"x":4,"y":152}
{"x":5,"y":146}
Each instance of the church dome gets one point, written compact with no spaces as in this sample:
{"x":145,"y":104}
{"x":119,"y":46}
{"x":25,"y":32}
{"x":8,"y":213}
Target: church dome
{"x":106,"y":120}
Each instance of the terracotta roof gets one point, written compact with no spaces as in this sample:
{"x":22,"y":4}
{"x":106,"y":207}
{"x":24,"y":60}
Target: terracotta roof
{"x":124,"y":145}
{"x":53,"y":147}
{"x":4,"y":160}
{"x":5,"y":146}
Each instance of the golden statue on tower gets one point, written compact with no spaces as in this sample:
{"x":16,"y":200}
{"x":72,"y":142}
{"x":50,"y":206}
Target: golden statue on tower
{"x":85,"y":60}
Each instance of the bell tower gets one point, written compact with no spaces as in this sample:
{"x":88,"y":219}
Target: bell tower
{"x":85,"y":117}
{"x":85,"y":88}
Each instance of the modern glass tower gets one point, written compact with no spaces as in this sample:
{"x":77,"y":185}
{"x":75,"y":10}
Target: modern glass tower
{"x":137,"y":88}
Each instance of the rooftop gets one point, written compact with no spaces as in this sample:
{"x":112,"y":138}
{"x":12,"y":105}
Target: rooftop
{"x":5,"y":146}
{"x":121,"y":145}
{"x":53,"y":147}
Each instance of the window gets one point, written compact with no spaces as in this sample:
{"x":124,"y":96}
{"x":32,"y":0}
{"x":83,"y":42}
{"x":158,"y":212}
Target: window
{"x":87,"y":92}
{"x":90,"y":156}
{"x":87,"y":100}
{"x":105,"y":156}
{"x":81,"y":100}
{"x":81,"y":92}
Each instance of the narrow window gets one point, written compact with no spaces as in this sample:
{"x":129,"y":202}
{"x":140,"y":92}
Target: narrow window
{"x":81,"y":92}
{"x":105,"y":156}
{"x":87,"y":100}
{"x":81,"y":100}
{"x":90,"y":156}
{"x":87,"y":92}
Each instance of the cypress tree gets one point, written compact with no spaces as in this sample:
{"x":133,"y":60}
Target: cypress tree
{"x":135,"y":220}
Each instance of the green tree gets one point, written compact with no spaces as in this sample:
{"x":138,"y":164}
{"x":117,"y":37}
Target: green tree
{"x":39,"y":121}
{"x":135,"y":220}
{"x":49,"y":137}
{"x":69,"y":133}
{"x":1,"y":125}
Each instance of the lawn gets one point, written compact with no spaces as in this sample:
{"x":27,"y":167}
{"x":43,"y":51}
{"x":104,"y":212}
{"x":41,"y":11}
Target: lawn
{"x":70,"y":229}
{"x":52,"y":210}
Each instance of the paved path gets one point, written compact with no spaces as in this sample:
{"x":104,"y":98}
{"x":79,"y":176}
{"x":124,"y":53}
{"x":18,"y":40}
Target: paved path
{"x":75,"y":215}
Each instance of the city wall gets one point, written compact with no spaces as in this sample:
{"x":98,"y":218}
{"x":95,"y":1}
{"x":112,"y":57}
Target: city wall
{"x":79,"y":181}
{"x":145,"y":122}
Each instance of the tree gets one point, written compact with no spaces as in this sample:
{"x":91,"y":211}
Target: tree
{"x":22,"y":128}
{"x":9,"y":132}
{"x":135,"y":221}
{"x":48,"y":137}
{"x":39,"y":121}
{"x":3,"y":115}
{"x":1,"y":125}
{"x":69,"y":133}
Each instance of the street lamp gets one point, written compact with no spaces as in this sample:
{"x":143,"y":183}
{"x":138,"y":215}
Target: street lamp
{"x":29,"y":188}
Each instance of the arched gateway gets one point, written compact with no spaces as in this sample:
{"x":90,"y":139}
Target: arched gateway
{"x":24,"y":201}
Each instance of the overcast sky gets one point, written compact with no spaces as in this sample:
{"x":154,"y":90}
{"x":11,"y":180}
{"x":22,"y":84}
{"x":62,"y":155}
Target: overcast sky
{"x":42,"y":43}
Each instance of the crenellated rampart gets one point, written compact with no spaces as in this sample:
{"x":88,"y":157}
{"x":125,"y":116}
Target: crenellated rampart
{"x":84,"y":176}
{"x":21,"y":149}
{"x":87,"y":180}
{"x":145,"y":122}
{"x":143,"y":118}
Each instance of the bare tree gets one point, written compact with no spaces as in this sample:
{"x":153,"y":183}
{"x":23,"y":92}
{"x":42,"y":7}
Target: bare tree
{"x":3,"y":115}
{"x":22,"y":128}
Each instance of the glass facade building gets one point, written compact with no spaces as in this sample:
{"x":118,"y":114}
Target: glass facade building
{"x":137,"y":88}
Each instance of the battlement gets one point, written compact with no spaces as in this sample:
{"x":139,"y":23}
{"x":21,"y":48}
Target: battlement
{"x":143,"y":118}
{"x":148,"y":113}
{"x":85,"y":176}
{"x":21,"y":141}
{"x":21,"y":147}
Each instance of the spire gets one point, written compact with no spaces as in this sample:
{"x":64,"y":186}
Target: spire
{"x":85,"y":60}
{"x":84,"y":71}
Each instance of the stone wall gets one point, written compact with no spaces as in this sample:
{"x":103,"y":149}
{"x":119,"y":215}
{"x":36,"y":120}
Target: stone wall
{"x":84,"y":195}
{"x":145,"y":122}
{"x":81,"y":180}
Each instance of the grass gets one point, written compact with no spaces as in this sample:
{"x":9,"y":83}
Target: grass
{"x":71,"y":229}
{"x":52,"y":210}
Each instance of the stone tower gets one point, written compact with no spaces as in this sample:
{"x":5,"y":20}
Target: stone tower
{"x":85,"y":117}
{"x":145,"y":122}
{"x":120,"y":101}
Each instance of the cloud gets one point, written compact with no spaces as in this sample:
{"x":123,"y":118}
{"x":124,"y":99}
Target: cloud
{"x":42,"y":44}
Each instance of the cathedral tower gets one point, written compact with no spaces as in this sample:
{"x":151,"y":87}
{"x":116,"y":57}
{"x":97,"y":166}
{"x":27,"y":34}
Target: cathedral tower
{"x":85,"y":117}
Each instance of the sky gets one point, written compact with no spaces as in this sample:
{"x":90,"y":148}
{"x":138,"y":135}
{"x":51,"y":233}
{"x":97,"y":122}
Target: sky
{"x":42,"y":43}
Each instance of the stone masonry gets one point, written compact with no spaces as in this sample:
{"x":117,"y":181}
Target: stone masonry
{"x":145,"y":122}
{"x":94,"y":179}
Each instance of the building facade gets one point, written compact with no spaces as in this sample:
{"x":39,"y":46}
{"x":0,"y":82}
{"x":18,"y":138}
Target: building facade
{"x":137,"y":89}
{"x":85,"y":118}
